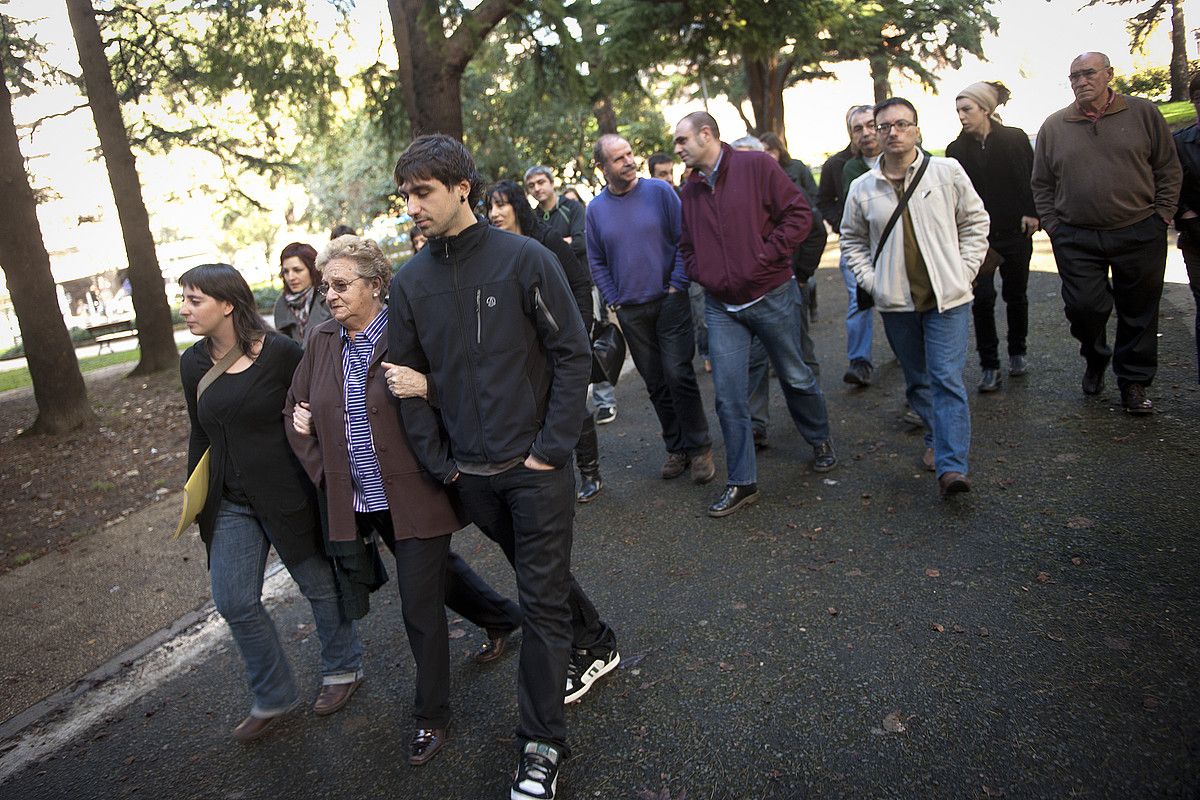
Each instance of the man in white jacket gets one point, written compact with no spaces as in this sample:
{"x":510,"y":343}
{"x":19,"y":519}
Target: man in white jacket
{"x":921,"y":278}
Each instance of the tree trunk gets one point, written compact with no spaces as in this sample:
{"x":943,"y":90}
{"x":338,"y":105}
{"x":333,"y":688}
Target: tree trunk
{"x":431,"y":65}
{"x":156,"y":337}
{"x":58,"y":384}
{"x":606,"y":117}
{"x":881,"y":72}
{"x":765,"y":81}
{"x":1179,"y":59}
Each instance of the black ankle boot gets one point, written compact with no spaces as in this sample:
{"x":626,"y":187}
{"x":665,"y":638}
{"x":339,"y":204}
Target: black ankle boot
{"x":590,"y":484}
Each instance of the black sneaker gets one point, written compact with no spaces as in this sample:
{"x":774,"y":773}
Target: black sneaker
{"x":824,"y":459}
{"x":584,"y":668}
{"x":537,"y":774}
{"x":605,"y":415}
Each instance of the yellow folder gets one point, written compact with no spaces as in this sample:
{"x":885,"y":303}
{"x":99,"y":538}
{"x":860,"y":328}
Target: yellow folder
{"x":195,"y":493}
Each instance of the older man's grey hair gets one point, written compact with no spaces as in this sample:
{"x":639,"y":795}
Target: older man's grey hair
{"x":748,"y":143}
{"x":854,"y":111}
{"x":366,"y":256}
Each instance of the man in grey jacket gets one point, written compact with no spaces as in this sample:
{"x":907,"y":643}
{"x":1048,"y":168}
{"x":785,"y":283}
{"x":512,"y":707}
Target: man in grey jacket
{"x":921,"y":277}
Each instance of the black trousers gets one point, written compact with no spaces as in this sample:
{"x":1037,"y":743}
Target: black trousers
{"x":662,"y":342}
{"x":1014,"y":282}
{"x":421,"y":576}
{"x":531,"y":515}
{"x":1191,"y":259}
{"x":1137,"y":255}
{"x":422,"y":596}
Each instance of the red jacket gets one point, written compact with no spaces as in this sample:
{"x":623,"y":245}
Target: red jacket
{"x":738,"y":238}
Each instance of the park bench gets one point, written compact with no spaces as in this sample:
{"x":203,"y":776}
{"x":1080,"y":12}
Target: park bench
{"x":108,"y":332}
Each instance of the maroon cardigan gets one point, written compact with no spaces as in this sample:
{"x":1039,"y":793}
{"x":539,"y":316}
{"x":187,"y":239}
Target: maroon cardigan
{"x":420,"y":507}
{"x":738,"y":238}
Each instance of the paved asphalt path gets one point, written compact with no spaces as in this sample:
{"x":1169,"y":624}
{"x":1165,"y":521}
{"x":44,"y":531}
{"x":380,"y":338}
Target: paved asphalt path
{"x":851,"y":636}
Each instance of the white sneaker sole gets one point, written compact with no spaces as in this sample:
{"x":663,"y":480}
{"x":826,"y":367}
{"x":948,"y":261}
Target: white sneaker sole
{"x":590,"y":677}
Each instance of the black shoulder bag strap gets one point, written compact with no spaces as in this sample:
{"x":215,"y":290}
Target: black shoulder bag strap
{"x":891,"y":223}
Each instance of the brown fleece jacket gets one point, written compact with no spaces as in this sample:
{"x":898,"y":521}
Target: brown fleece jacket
{"x":1106,"y":174}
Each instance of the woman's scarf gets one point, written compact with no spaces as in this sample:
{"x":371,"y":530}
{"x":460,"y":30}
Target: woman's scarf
{"x":299,"y":303}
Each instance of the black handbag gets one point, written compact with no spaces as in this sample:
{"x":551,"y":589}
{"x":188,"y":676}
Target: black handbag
{"x":608,"y":354}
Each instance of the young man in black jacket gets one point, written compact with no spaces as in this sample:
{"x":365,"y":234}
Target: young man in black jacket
{"x":489,"y":317}
{"x":999,"y":161}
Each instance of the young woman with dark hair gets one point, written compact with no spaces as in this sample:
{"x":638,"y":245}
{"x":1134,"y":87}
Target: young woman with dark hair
{"x":300,"y":307}
{"x":508,"y":209}
{"x":258,"y":495}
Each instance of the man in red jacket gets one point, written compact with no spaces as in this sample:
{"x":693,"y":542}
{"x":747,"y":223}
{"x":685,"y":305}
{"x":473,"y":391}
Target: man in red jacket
{"x":742,"y":219}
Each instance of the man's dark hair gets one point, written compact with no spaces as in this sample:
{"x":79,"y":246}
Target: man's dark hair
{"x":514,"y":195}
{"x":340,"y":230}
{"x":703,"y":119}
{"x":441,"y":158}
{"x":1194,"y":86}
{"x":896,"y":101}
{"x":659,"y":158}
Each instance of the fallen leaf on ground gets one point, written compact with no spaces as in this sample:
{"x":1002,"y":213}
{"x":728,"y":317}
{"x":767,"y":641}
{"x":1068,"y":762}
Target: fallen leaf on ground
{"x":1150,"y":703}
{"x":1077,"y":561}
{"x":990,"y":792}
{"x":833,"y":612}
{"x":938,"y":627}
{"x":933,"y":573}
{"x":457,"y":633}
{"x":1079,"y":523}
{"x":1043,"y":577}
{"x":893,"y":724}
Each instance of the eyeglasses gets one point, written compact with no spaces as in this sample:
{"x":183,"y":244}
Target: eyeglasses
{"x":901,"y":125}
{"x":869,"y":126}
{"x":1086,"y":74}
{"x":338,"y":287}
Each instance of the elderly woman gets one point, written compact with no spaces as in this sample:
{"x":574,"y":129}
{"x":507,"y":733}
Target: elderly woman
{"x":258,"y":494}
{"x":508,"y":209}
{"x":346,"y":430}
{"x":300,"y":307}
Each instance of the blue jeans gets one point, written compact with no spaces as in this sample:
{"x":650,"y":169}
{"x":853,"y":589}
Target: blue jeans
{"x":696,"y":300}
{"x":774,"y":321}
{"x":860,"y":324}
{"x":604,"y":395}
{"x":237,"y":562}
{"x":932,"y":348}
{"x":760,"y":371}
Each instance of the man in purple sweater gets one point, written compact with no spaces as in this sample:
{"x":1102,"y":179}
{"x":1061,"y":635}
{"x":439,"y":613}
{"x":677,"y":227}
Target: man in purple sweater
{"x":633,"y":250}
{"x":742,"y":219}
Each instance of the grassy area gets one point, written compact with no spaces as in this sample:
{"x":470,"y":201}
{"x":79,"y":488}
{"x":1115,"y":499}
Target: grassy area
{"x":17,"y":378}
{"x":1179,"y":113}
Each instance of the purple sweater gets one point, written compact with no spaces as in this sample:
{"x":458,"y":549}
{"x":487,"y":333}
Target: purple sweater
{"x":633,"y":243}
{"x":738,"y":239}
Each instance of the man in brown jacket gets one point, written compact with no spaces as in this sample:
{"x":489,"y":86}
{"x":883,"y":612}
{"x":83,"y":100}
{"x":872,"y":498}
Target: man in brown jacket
{"x":1105,"y":183}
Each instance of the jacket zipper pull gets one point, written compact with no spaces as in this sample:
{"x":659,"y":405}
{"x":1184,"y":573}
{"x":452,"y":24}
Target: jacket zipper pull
{"x":478,"y":317}
{"x":541,"y":304}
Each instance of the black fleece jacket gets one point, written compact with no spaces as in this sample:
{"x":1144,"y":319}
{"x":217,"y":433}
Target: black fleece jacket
{"x":489,"y":315}
{"x":1000,"y":168}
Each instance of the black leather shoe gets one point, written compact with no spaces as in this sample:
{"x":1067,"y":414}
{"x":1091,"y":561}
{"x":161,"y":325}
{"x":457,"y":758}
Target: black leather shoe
{"x":824,"y":459}
{"x":589,"y":486}
{"x":990,"y":381}
{"x":734,"y":498}
{"x":860,"y":373}
{"x":1093,"y":379}
{"x":1133,"y":397}
{"x":426,"y":743}
{"x":1017,"y":366}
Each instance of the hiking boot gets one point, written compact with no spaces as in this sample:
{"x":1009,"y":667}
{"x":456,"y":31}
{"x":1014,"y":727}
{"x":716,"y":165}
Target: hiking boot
{"x":674,"y":466}
{"x":703,"y":469}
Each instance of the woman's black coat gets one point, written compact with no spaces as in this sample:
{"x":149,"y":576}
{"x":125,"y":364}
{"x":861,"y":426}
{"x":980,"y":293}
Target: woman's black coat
{"x":251,"y":436}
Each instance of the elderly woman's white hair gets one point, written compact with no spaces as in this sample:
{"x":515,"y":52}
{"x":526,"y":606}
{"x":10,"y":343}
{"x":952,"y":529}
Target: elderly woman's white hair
{"x":366,"y":256}
{"x":748,"y":143}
